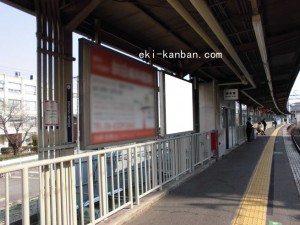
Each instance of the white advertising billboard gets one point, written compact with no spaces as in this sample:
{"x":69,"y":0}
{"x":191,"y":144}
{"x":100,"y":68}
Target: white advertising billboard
{"x":119,"y":100}
{"x":179,"y":105}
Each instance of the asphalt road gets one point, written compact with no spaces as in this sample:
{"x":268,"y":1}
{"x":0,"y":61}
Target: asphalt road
{"x":15,"y":187}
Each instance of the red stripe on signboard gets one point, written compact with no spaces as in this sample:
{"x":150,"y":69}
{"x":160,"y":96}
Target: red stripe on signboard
{"x":116,"y":136}
{"x":108,"y":64}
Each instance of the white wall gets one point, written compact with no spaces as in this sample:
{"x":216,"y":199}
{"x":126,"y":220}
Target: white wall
{"x":211,"y":106}
{"x":231,"y":107}
{"x":207,"y":107}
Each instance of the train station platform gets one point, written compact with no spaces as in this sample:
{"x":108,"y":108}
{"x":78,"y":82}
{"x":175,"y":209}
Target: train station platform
{"x":256,"y":183}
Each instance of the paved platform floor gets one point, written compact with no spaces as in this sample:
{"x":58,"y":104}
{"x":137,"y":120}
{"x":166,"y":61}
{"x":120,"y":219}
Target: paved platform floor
{"x":213,"y":196}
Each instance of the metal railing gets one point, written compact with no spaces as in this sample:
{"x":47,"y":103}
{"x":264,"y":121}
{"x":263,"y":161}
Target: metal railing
{"x":88,"y":187}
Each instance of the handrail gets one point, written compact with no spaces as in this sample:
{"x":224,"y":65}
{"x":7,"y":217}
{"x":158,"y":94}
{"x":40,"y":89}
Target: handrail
{"x":44,"y":162}
{"x":88,"y":187}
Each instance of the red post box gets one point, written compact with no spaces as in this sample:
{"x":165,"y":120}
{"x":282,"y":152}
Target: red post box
{"x":214,"y":141}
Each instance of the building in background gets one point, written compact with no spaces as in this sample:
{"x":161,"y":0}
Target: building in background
{"x":295,"y":112}
{"x":21,"y":91}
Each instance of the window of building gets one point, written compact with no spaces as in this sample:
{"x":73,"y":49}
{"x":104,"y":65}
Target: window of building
{"x":14,"y":88}
{"x":30,"y":89}
{"x":32,"y":122}
{"x":30,"y":105}
{"x":2,"y":85}
{"x":14,"y":102}
{"x":1,"y":104}
{"x":15,"y":121}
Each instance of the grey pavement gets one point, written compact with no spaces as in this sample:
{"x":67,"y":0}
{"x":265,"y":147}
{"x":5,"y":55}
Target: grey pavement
{"x":284,"y":201}
{"x":15,"y":186}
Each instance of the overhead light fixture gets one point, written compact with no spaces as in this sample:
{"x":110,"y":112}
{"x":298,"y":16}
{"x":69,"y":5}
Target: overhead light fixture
{"x":267,"y":71}
{"x":259,"y":33}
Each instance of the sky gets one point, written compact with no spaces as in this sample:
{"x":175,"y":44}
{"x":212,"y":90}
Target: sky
{"x":18,"y":44}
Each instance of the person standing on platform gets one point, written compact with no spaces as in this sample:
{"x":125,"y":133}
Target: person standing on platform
{"x":275,"y":123}
{"x":264,"y":124}
{"x":249,"y":128}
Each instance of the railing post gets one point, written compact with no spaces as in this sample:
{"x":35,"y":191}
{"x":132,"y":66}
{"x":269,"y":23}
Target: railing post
{"x":58,"y":171}
{"x":7,"y":198}
{"x":25,"y":194}
{"x":42,"y":196}
{"x":104,"y":198}
{"x":129,"y":171}
{"x":173,"y":156}
{"x":154,"y":165}
{"x":63,"y":194}
{"x":46,"y":177}
{"x":53,"y":193}
{"x":159,"y":166}
{"x":73,"y":194}
{"x":136,"y":176}
{"x":177,"y":158}
{"x":191,"y":152}
{"x":164,"y":158}
{"x":80,"y":191}
{"x":91,"y":189}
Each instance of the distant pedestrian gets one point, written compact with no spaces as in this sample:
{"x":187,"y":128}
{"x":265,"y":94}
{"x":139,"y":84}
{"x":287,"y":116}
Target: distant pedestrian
{"x":275,"y":123}
{"x":264,"y":124}
{"x":249,"y":128}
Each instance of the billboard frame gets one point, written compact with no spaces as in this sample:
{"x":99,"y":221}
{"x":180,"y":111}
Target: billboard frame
{"x":163,"y":104}
{"x":85,"y":75}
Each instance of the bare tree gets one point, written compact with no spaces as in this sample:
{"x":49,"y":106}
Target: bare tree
{"x":16,"y":124}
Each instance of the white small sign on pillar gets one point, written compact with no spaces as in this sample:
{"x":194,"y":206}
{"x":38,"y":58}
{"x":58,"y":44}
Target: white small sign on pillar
{"x":51,"y":113}
{"x":231,"y":94}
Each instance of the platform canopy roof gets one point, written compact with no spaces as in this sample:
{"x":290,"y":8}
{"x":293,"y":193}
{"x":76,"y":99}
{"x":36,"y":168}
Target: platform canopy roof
{"x":259,"y":40}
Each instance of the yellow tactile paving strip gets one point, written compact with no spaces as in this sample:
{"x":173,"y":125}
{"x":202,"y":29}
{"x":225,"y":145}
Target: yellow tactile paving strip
{"x":253,"y":207}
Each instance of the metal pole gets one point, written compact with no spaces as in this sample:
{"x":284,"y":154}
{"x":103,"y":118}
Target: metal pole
{"x":25,"y":198}
{"x":7,"y":198}
{"x":136,"y":176}
{"x":91,"y":189}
